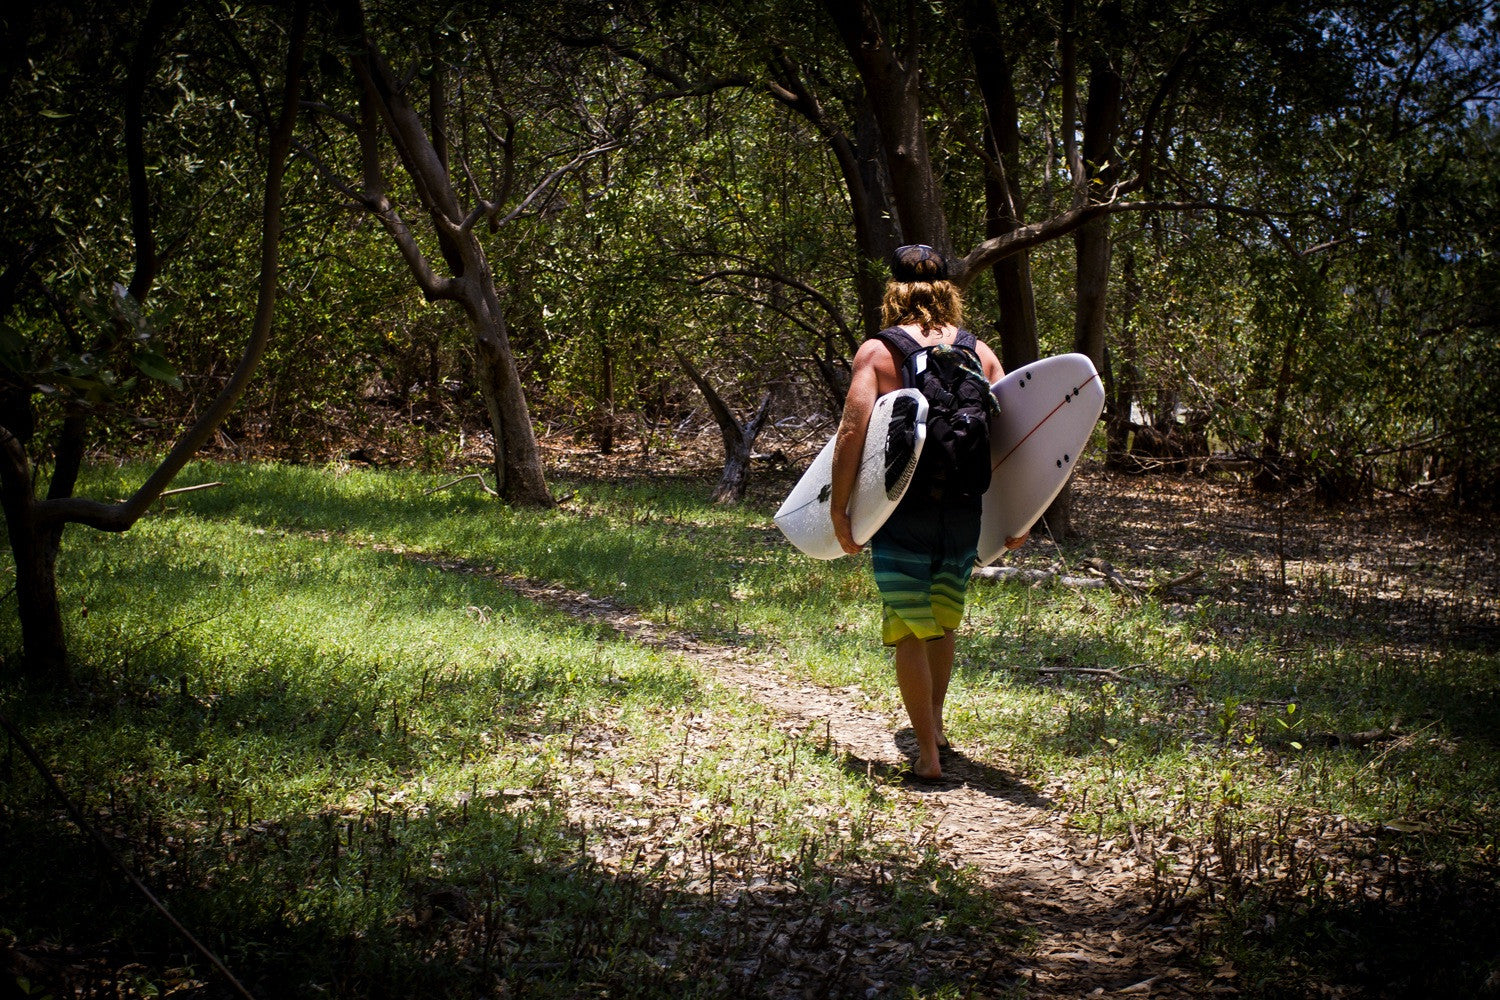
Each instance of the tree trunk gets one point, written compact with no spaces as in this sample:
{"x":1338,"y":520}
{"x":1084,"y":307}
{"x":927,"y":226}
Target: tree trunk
{"x":1270,"y":477}
{"x":1005,"y":209}
{"x":604,"y":417}
{"x":1016,"y":327}
{"x":1272,"y":473}
{"x":892,"y":87}
{"x":1101,"y":127}
{"x":739,"y":445}
{"x":739,"y":439}
{"x":518,"y":461}
{"x":874,"y":222}
{"x":34,"y":548}
{"x":865,"y":180}
{"x":518,"y":464}
{"x":1092,"y":246}
{"x":1090,"y":322}
{"x":1124,"y":374}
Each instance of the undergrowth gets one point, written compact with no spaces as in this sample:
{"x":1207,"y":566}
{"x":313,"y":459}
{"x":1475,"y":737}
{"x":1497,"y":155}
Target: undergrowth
{"x":370,"y":775}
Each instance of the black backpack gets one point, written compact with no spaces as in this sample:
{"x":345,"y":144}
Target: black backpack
{"x":955,"y":462}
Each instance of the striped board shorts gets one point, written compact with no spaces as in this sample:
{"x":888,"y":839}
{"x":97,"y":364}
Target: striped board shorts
{"x":923,"y":557}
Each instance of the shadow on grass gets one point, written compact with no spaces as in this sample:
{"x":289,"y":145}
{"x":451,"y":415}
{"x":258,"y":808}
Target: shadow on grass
{"x":1426,"y":935}
{"x":961,"y":769}
{"x":493,"y":897}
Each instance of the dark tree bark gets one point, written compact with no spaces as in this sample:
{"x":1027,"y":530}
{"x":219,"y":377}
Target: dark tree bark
{"x":1101,"y":171}
{"x":1005,"y":207}
{"x":892,"y":84}
{"x":1094,"y":169}
{"x":739,"y":438}
{"x":604,"y":418}
{"x":387,"y":111}
{"x":858,"y":157}
{"x":34,"y":548}
{"x":1123,"y":373}
{"x":35,"y":526}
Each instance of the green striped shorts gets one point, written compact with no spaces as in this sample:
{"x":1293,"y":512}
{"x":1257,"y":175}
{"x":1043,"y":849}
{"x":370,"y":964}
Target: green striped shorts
{"x":923,"y":557}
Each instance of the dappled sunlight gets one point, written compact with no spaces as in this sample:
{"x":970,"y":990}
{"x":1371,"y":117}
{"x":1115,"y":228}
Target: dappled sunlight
{"x":479,"y":736}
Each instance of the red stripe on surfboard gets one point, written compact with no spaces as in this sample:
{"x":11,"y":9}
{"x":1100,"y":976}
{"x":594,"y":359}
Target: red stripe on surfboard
{"x":1050,"y":413}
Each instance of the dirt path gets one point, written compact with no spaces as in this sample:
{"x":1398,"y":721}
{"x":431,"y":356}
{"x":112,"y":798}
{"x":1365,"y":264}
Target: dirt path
{"x":1088,"y":903}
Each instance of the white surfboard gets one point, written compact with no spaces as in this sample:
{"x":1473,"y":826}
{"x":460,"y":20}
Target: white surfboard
{"x":1047,"y":413}
{"x":804,"y":517}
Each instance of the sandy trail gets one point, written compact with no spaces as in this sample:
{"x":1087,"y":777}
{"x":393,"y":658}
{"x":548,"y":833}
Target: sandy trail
{"x":1088,"y":902}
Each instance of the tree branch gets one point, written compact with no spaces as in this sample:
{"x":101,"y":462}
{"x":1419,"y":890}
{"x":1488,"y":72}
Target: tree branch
{"x":142,"y":228}
{"x":120,"y":516}
{"x":680,"y":85}
{"x":806,"y":289}
{"x":716,"y":404}
{"x":489,"y":209}
{"x":372,"y":199}
{"x":1028,"y":237}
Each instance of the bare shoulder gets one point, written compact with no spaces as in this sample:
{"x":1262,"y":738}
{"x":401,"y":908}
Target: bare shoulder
{"x":874,"y":353}
{"x":874,"y":359}
{"x":991,"y":362}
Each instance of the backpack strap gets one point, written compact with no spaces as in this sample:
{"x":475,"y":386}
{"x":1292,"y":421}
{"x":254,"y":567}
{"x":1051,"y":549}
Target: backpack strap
{"x":905,"y":347}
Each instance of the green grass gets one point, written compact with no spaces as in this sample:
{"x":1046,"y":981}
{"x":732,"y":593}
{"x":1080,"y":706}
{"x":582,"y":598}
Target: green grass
{"x":362,"y":775}
{"x":371,"y":776}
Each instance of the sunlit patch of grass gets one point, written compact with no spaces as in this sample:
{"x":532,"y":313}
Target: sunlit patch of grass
{"x":265,"y":653}
{"x":363,"y":773}
{"x":1272,"y":768}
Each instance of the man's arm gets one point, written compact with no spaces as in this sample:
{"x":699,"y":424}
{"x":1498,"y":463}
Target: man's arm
{"x":990,"y":362}
{"x":864,"y":389}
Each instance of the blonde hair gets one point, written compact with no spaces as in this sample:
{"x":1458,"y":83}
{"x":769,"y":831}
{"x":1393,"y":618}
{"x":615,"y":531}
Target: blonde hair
{"x":928,"y":304}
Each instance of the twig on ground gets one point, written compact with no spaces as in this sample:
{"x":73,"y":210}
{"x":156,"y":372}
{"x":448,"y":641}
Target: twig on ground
{"x":188,"y":489}
{"x":1108,"y":673}
{"x":1112,"y":577}
{"x":472,"y":475}
{"x":1176,"y":581}
{"x":1008,"y":573}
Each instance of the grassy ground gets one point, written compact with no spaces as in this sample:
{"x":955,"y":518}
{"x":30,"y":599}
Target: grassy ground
{"x":361,"y":775}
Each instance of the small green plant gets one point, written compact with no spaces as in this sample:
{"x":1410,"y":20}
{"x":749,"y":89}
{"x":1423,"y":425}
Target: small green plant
{"x":314,"y":703}
{"x":1290,"y":725}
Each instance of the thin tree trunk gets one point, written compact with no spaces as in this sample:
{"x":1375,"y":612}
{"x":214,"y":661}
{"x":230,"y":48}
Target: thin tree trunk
{"x":1094,"y":167}
{"x":518,"y":460}
{"x":1124,"y":374}
{"x":1270,"y":477}
{"x":739,"y":438}
{"x":34,"y":548}
{"x":1093,"y":254}
{"x":1272,"y":473}
{"x":1005,"y":209}
{"x":1092,"y":242}
{"x":604,"y":418}
{"x":875,"y":228}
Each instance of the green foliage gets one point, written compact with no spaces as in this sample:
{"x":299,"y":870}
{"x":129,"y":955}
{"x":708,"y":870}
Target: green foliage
{"x":720,"y":224}
{"x":293,"y":686}
{"x":359,"y":770}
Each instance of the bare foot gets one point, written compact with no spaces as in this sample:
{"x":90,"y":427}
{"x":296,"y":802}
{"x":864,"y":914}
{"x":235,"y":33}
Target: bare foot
{"x":927,"y":770}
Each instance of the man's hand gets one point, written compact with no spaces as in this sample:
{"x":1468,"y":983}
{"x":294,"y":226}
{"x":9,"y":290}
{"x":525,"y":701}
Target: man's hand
{"x":1014,"y":543}
{"x":843,"y":530}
